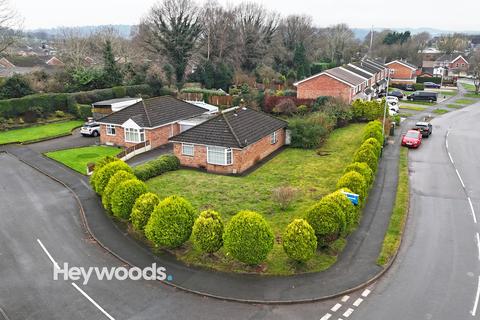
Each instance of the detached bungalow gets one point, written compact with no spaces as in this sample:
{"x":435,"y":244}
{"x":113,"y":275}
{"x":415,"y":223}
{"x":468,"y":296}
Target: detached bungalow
{"x":230,"y":143}
{"x":402,"y":72}
{"x":153,"y":120}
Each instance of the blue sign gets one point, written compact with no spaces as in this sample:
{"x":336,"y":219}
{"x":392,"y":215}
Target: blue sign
{"x":352,"y":197}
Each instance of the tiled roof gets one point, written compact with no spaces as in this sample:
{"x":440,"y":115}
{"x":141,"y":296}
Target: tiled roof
{"x":359,"y":72}
{"x":345,"y":76}
{"x":365,"y":67}
{"x":237,"y":128}
{"x":154,"y":112}
{"x":405,"y":63}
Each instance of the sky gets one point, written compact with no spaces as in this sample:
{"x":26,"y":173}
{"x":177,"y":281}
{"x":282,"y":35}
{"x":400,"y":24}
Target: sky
{"x":438,"y":14}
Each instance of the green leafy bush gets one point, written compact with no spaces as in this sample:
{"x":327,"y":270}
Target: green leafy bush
{"x":101,"y":178}
{"x":366,"y":153}
{"x":367,"y":110}
{"x":327,"y":219}
{"x":83,"y":111}
{"x":374,"y":130}
{"x":248,"y":237}
{"x":156,"y":167}
{"x":354,"y":181}
{"x":207,"y":232}
{"x":299,"y":240}
{"x":363,"y":169}
{"x":309,"y":132}
{"x":170,"y":224}
{"x":351,"y":212}
{"x":98,"y":165}
{"x":124,"y":197}
{"x":119,"y":177}
{"x":375,"y":144}
{"x":142,"y":210}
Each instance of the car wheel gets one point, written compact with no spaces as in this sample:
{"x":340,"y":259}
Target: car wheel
{"x":431,"y":100}
{"x":95,"y":133}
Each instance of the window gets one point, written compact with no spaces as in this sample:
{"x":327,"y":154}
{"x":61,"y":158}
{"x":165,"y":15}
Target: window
{"x":273,"y":138}
{"x":134,"y":135}
{"x":110,"y":130}
{"x":219,"y":155}
{"x":187,"y":149}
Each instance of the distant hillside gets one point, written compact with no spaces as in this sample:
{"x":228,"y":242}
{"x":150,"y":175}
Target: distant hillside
{"x":360,"y":33}
{"x":122,"y":29}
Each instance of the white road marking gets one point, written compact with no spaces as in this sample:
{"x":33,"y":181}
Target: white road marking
{"x":460,"y":178}
{"x":345,"y":298}
{"x":326,"y":317}
{"x":475,"y":305}
{"x":365,"y":293}
{"x":336,"y":307}
{"x":471,"y":208}
{"x":478,"y":245}
{"x":55,"y":264}
{"x":446,"y":143}
{"x":347,"y":313}
{"x":357,"y":302}
{"x":451,"y":159}
{"x":94,"y":303}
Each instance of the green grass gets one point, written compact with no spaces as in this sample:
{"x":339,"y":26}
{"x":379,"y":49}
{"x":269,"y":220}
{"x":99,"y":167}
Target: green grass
{"x":448,"y":93}
{"x":454,"y":106}
{"x":392,"y":239}
{"x":78,"y":158}
{"x":422,"y":103}
{"x":414,"y":108}
{"x":40,"y":132}
{"x":311,"y":174}
{"x":440,"y":111}
{"x":468,"y":87}
{"x":472,"y":95}
{"x":465,"y":101}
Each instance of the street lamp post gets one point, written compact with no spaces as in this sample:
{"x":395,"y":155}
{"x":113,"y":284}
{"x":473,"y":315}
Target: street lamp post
{"x":386,"y":104}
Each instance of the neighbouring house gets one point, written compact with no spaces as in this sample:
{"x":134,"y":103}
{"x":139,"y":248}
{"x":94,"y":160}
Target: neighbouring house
{"x":4,"y":63}
{"x":152,"y":120}
{"x":54,"y":61}
{"x":102,"y":108}
{"x":451,"y":65}
{"x":402,"y":72}
{"x":232,"y":142}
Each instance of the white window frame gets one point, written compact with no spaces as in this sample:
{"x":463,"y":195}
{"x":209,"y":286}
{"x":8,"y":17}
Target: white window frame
{"x":188,"y":145}
{"x":111,"y":130}
{"x":132,"y":132}
{"x":273,"y":138}
{"x":227,"y":155}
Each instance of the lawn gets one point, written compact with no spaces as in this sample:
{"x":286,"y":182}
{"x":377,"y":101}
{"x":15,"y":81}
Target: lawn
{"x":468,"y":87}
{"x":78,"y":158}
{"x":40,"y":132}
{"x":447,"y":93}
{"x":454,"y":106}
{"x":440,"y":111}
{"x":472,"y":95}
{"x":464,"y":101}
{"x":311,"y":174}
{"x":414,"y":108}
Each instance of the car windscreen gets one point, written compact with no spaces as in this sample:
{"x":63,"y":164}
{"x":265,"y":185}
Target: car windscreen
{"x":412,"y":135}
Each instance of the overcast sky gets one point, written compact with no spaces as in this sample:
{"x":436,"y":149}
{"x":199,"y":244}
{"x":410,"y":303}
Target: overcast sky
{"x":437,"y":14}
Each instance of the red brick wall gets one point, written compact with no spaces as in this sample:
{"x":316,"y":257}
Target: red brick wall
{"x":242,"y":159}
{"x":324,"y":86}
{"x":157,"y":137}
{"x":401,"y":72}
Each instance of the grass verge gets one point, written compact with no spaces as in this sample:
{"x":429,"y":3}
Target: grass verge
{"x":440,"y":111}
{"x":465,"y":101}
{"x":454,"y":106}
{"x":393,"y":237}
{"x":414,"y":108}
{"x":472,"y":95}
{"x":40,"y":132}
{"x":78,"y":158}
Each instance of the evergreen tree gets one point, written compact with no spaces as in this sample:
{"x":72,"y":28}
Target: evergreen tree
{"x":112,"y":75}
{"x":300,"y":62}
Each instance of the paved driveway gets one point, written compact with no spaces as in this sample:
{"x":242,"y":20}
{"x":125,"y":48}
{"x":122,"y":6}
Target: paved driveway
{"x":72,"y":141}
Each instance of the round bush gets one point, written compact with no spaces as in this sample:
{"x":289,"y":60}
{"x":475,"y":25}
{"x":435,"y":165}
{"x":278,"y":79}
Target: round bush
{"x":375,"y":144}
{"x":98,"y":165}
{"x":170,"y":224}
{"x":354,"y":181}
{"x":248,"y":237}
{"x":373,"y":131}
{"x":124,"y":197}
{"x":112,"y":184}
{"x":351,"y":212}
{"x":367,"y":154}
{"x":207,"y":232}
{"x":142,"y":210}
{"x":106,"y":172}
{"x":327,"y":219}
{"x":363,"y":169}
{"x":299,"y":241}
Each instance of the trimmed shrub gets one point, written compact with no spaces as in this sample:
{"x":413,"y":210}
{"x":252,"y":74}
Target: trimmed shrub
{"x":363,"y":169}
{"x":98,"y":165}
{"x":375,"y":144}
{"x":351,"y":212}
{"x":124,"y":197}
{"x":248,"y":237}
{"x":170,"y":224}
{"x":372,"y":130}
{"x":119,"y":177}
{"x":327,"y":219}
{"x":101,"y":178}
{"x":142,"y":210}
{"x":366,"y":154}
{"x":299,"y":240}
{"x":354,"y":181}
{"x":207,"y":232}
{"x":156,"y":167}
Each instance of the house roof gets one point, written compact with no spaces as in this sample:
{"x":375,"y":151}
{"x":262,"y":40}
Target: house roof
{"x":6,"y":64}
{"x":404,"y":63}
{"x":375,"y":63}
{"x":451,"y":58}
{"x":372,"y":66}
{"x":346,"y":76}
{"x":235,"y":128}
{"x":112,"y":101}
{"x":365,"y":67}
{"x":357,"y":71}
{"x":154,"y":112}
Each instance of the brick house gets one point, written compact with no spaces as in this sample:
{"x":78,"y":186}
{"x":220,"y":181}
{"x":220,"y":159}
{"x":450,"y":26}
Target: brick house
{"x":451,"y":65}
{"x":230,"y":143}
{"x":402,"y":72}
{"x":154,"y":120}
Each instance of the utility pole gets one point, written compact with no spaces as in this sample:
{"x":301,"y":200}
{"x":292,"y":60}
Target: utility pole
{"x":371,"y":42}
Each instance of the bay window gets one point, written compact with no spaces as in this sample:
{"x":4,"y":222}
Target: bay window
{"x":134,"y":135}
{"x":219,"y":155}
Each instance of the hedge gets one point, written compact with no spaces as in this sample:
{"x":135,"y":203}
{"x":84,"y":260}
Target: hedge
{"x":156,"y":167}
{"x":207,"y":232}
{"x":354,"y":181}
{"x":209,"y":92}
{"x":270,"y":102}
{"x":170,"y":224}
{"x":248,"y":237}
{"x":362,"y":168}
{"x":375,"y":144}
{"x":351,"y":212}
{"x":142,"y":210}
{"x":366,"y":153}
{"x":327,"y":219}
{"x":437,"y":80}
{"x":119,"y":177}
{"x":124,"y":197}
{"x":100,"y":179}
{"x":299,"y":240}
{"x":372,"y":130}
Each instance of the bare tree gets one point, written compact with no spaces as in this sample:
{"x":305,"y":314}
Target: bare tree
{"x":475,"y":69}
{"x":341,"y":43}
{"x":10,"y":25}
{"x":452,"y":42}
{"x":74,"y":46}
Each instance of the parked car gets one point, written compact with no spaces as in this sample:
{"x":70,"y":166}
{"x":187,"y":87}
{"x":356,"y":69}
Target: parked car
{"x":392,"y":99}
{"x":90,"y":129}
{"x":392,"y":112}
{"x":424,"y":128}
{"x":409,"y":87}
{"x":423,"y":96}
{"x":396,"y":93}
{"x":413,"y":138}
{"x":431,"y":85}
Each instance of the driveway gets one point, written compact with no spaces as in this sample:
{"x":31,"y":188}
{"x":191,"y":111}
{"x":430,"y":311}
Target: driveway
{"x":72,"y":141}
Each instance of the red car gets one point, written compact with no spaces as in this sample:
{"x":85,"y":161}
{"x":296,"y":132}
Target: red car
{"x":413,"y":139}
